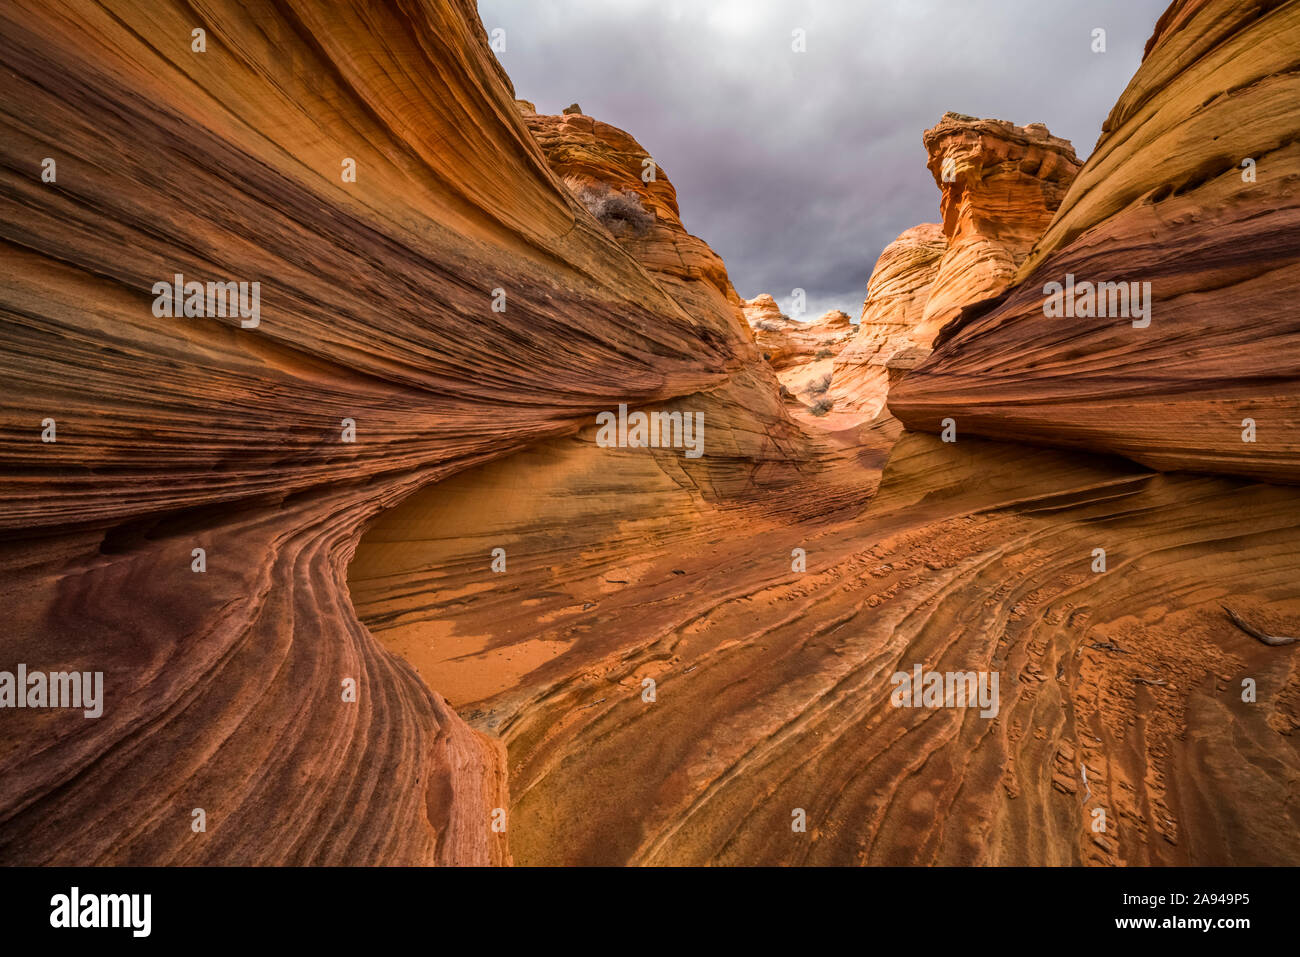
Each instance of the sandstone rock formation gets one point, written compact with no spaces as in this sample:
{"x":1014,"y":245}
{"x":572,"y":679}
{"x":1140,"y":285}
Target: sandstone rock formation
{"x":1208,"y":380}
{"x":891,"y":315}
{"x":765,"y":316}
{"x":451,"y":302}
{"x":772,"y":686}
{"x":1120,"y":689}
{"x":802,"y":353}
{"x":1000,"y":184}
{"x":597,"y":161}
{"x":610,"y":175}
{"x":833,"y":322}
{"x":363,"y":576}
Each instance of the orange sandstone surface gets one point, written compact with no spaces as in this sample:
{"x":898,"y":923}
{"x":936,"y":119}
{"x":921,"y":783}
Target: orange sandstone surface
{"x":640,"y":655}
{"x":1190,"y":204}
{"x":675,"y":669}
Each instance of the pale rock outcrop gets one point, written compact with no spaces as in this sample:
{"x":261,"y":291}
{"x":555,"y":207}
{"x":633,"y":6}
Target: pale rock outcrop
{"x":802,"y":353}
{"x":833,"y":323}
{"x":763,"y":309}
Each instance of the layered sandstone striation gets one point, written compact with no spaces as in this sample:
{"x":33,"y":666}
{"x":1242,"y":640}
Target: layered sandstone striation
{"x":891,"y":315}
{"x":1192,"y":194}
{"x":609,"y":175}
{"x":999,"y":186}
{"x":670,"y":686}
{"x":674,"y":671}
{"x":451,"y":303}
{"x":363,"y":651}
{"x":615,"y":179}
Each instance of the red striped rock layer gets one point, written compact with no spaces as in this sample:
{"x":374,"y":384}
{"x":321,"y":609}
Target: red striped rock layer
{"x":224,"y":687}
{"x":224,"y":694}
{"x":1194,"y":187}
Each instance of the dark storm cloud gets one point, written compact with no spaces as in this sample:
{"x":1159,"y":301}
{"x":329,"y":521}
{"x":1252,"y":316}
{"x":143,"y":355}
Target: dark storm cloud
{"x":799,"y":168}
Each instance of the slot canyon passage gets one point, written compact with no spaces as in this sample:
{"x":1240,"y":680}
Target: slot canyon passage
{"x":632,"y":655}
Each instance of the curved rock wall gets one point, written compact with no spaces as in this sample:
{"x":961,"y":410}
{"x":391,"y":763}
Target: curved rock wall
{"x":1192,"y":194}
{"x":224,"y":688}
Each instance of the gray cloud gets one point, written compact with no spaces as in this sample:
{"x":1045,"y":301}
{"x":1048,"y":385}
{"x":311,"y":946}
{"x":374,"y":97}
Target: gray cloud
{"x":799,"y":168}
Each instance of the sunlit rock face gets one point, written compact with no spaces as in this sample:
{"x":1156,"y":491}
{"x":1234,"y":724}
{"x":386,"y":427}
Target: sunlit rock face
{"x":999,"y":187}
{"x":787,"y":342}
{"x":891,"y":316}
{"x":1191,"y":201}
{"x":1000,"y":184}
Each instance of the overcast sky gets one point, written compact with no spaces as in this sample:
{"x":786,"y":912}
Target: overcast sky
{"x":799,"y":168}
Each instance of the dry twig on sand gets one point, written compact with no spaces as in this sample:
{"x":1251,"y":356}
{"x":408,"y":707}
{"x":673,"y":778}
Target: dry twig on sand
{"x":1272,"y":641}
{"x":1107,"y":646}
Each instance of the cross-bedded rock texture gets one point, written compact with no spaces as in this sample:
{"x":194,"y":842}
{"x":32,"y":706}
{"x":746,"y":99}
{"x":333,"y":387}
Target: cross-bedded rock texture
{"x":369,"y":583}
{"x":1188,"y":208}
{"x":452,"y":302}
